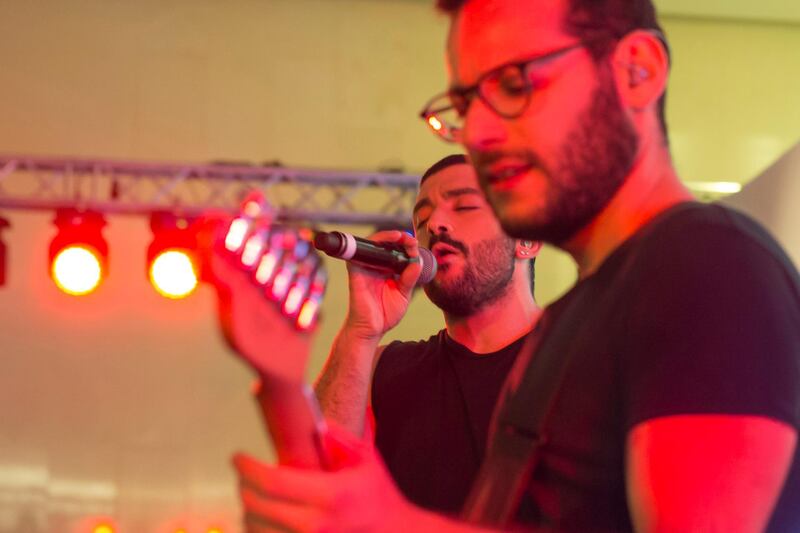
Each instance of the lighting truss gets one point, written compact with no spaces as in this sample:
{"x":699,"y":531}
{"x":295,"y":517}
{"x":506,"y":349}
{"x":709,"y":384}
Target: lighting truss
{"x":140,"y":188}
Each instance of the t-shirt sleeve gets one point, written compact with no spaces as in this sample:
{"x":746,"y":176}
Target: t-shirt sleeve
{"x":715,"y":331}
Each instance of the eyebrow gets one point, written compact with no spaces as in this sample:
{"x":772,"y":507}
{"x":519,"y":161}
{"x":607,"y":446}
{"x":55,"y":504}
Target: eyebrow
{"x":453,"y":193}
{"x":545,"y":56}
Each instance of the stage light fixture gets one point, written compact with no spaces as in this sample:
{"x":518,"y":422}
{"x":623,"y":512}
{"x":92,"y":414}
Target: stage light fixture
{"x":295,"y":249}
{"x":104,"y":528}
{"x":273,"y":255}
{"x":78,"y":253}
{"x":255,"y":210}
{"x":171,"y":258}
{"x":283,"y":262}
{"x":3,"y":253}
{"x":309,"y":312}
{"x":254,"y":247}
{"x":300,"y":285}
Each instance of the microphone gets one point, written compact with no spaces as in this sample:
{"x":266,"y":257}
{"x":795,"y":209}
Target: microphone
{"x":375,"y":255}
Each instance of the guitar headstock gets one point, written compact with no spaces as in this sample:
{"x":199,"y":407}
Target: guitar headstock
{"x":270,"y":282}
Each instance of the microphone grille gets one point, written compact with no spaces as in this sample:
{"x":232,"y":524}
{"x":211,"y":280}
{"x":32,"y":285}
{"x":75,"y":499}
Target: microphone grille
{"x":428,"y":262}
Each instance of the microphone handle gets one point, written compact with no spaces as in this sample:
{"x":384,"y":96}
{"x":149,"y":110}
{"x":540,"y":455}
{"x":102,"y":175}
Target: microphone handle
{"x":384,"y":257}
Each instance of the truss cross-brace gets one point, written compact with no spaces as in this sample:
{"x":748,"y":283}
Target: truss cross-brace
{"x":139,"y":188}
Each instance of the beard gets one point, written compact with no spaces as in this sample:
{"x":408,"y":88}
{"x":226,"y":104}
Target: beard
{"x":594,"y":162}
{"x":486,"y":276}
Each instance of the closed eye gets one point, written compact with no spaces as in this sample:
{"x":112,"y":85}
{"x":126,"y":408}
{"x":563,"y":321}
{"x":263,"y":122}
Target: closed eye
{"x":467,"y":208}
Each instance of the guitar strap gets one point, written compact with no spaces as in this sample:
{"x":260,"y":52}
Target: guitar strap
{"x":519,"y":432}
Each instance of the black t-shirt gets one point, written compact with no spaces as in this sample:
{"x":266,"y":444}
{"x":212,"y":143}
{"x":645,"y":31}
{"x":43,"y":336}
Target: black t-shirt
{"x":432,"y":402}
{"x":699,"y":312}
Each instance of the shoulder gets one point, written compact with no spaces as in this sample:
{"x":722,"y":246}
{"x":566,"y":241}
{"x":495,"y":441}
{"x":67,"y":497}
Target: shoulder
{"x":709,"y":245}
{"x":695,"y":226}
{"x":711,"y":310}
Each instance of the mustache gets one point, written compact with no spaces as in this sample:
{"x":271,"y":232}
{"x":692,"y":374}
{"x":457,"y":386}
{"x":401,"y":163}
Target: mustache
{"x":484,"y":159}
{"x":447,"y":239}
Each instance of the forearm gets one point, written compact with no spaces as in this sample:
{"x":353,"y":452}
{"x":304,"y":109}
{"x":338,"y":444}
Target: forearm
{"x":342,"y":387}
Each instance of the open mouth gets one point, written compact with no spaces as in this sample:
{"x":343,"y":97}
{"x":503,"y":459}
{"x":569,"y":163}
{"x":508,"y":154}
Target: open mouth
{"x":442,"y":251}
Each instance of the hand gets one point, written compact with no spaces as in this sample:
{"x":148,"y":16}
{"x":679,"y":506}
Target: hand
{"x":358,"y":495}
{"x":252,"y":324}
{"x":378,"y":301}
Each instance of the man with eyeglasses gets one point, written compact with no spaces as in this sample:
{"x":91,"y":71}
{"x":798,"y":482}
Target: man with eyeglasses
{"x":679,"y":406}
{"x":432,"y":399}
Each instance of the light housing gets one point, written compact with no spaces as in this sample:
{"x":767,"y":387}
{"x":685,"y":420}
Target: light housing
{"x":78,"y":253}
{"x":282,"y":263}
{"x":309,"y":311}
{"x":171,"y":257}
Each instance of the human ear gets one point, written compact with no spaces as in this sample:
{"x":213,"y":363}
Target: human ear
{"x":641,"y":67}
{"x":527,"y":249}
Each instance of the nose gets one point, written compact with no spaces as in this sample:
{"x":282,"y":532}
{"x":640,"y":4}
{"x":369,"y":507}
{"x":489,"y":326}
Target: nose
{"x":439,"y":222}
{"x":483,"y":129}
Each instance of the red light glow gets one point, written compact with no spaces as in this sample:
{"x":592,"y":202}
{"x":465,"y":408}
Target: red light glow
{"x":76,"y":270}
{"x":173,"y":274}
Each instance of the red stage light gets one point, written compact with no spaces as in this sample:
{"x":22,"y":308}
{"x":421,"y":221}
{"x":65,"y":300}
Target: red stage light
{"x":78,"y":253}
{"x":173,"y":274}
{"x":104,"y":528}
{"x":171,"y":262}
{"x":77,"y":270}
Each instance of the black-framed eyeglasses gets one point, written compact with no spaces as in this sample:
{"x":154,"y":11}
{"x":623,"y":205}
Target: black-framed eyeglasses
{"x":506,"y":90}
